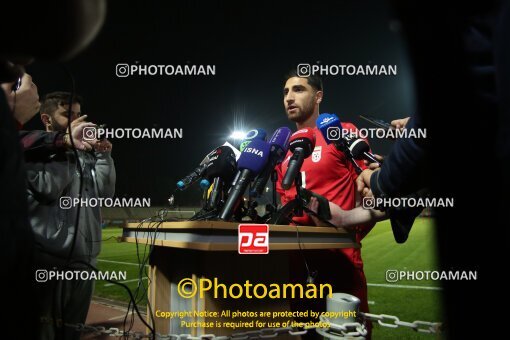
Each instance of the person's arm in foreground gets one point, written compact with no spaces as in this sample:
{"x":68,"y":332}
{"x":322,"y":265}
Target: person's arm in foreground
{"x":347,"y":218}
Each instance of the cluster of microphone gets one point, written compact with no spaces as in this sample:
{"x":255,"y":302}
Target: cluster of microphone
{"x":354,"y":147}
{"x":227,"y":173}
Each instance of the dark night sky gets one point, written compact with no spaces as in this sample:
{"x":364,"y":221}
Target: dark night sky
{"x":252,"y":46}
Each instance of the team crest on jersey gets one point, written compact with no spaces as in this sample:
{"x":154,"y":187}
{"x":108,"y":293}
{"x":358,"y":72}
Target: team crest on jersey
{"x":317,"y":153}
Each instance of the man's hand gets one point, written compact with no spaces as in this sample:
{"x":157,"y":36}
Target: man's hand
{"x":363,"y":182}
{"x":77,"y":127}
{"x":103,"y":145}
{"x":78,"y":121}
{"x":25,"y":102}
{"x":400,"y":123}
{"x":373,"y":166}
{"x":314,"y":206}
{"x":339,"y":217}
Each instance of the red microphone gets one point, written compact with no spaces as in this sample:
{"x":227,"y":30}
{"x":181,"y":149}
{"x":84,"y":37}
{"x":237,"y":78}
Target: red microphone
{"x":301,"y":144}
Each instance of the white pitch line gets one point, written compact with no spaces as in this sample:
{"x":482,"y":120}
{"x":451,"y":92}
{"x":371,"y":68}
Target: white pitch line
{"x":386,"y":285}
{"x":111,"y":284}
{"x":119,"y":262}
{"x":120,"y":316}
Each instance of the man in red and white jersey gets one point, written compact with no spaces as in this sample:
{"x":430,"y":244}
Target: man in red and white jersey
{"x":327,"y":172}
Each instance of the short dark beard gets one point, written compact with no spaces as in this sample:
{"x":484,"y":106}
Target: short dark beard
{"x":56,"y":127}
{"x":306,"y":113}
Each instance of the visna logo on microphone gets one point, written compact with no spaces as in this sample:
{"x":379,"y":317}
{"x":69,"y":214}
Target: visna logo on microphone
{"x":254,"y":151}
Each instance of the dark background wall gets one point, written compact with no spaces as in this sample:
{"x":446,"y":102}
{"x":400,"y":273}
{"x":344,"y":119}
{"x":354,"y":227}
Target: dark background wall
{"x":253,"y":46}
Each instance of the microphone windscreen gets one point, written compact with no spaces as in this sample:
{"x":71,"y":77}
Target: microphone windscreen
{"x":256,"y":134}
{"x":305,"y":139}
{"x":254,"y":157}
{"x":280,"y":140}
{"x":222,"y":164}
{"x":236,"y":152}
{"x":358,"y":146}
{"x":330,"y":127}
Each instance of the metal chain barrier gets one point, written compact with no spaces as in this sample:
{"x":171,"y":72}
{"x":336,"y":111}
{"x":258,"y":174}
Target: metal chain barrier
{"x":418,"y":326}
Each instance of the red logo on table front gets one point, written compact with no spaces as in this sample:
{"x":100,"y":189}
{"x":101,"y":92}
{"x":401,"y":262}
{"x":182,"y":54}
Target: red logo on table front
{"x":253,"y":239}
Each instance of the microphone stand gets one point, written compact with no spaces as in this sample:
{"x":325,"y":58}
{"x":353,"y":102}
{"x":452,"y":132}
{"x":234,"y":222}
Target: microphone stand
{"x":294,"y":207}
{"x":212,"y":205}
{"x":274,"y":178}
{"x":298,"y":209}
{"x":271,"y":208}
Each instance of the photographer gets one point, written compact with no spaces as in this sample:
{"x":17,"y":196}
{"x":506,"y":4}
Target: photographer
{"x":53,"y":189}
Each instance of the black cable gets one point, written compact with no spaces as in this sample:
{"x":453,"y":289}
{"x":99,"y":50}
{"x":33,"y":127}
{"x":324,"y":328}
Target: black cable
{"x":142,"y":262}
{"x":78,"y":164}
{"x":311,"y":276}
{"x":153,"y":332}
{"x":308,"y":273}
{"x":80,"y":172}
{"x":149,"y":306}
{"x":162,"y":218}
{"x":136,"y":292}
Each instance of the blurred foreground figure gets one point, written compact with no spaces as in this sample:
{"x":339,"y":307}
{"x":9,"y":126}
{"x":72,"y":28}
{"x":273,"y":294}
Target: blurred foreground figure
{"x":72,"y":25}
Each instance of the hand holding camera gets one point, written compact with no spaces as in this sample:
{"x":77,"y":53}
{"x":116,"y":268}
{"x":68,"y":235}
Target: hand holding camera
{"x":80,"y":131}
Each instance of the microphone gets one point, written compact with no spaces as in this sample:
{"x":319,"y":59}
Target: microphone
{"x":332,"y":131}
{"x":279,"y":143}
{"x":330,"y":127}
{"x":302,"y":143}
{"x":237,"y":153}
{"x":251,"y":163}
{"x":259,"y":134}
{"x":199,"y":171}
{"x":255,"y":134}
{"x":359,"y":148}
{"x":220,"y":170}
